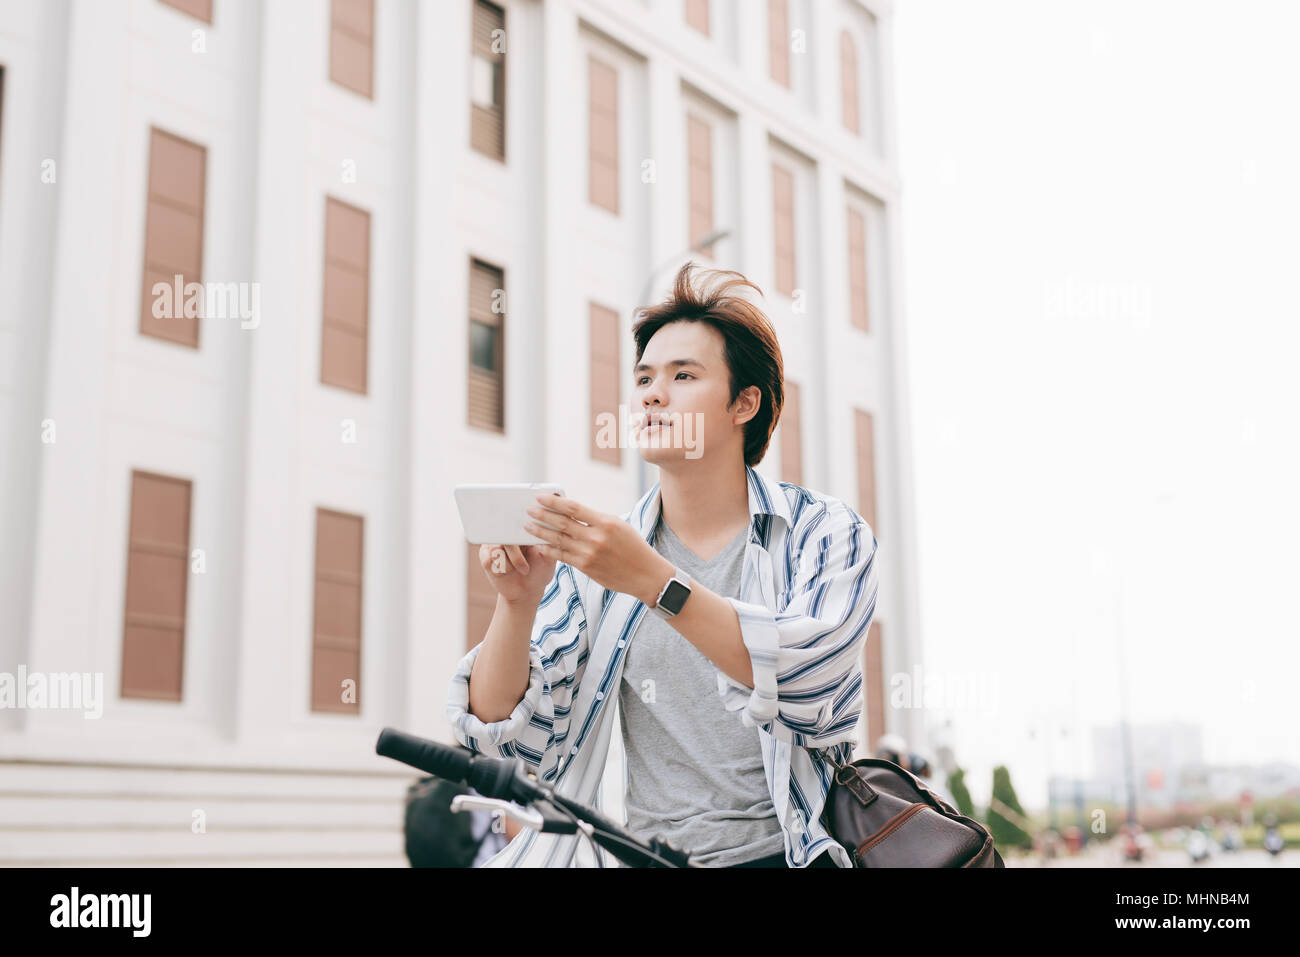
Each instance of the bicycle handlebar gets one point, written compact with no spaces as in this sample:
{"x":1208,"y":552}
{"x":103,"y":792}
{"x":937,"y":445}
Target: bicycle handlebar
{"x":505,"y":780}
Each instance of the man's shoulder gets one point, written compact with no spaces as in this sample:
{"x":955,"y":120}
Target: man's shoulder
{"x":813,"y":510}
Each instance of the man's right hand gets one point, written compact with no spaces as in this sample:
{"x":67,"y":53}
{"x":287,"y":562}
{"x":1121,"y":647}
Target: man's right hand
{"x":518,"y":572}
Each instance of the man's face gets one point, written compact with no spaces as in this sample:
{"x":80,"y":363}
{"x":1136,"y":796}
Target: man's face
{"x":692,"y":396}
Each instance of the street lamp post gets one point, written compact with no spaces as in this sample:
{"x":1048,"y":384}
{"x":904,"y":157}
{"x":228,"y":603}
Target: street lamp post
{"x":1126,"y":743}
{"x":1049,"y":728}
{"x":1121,"y":595}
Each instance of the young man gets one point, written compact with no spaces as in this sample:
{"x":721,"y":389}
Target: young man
{"x":723,"y":617}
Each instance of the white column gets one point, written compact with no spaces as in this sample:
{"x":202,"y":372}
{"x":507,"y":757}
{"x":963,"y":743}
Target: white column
{"x":754,"y":169}
{"x":64,"y":635}
{"x":278,"y":521}
{"x":829,"y":316}
{"x":35,"y":40}
{"x":546,"y":372}
{"x":666,"y":223}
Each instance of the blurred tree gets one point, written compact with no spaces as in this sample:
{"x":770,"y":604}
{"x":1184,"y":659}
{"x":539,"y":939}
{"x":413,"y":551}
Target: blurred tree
{"x":1007,"y":821}
{"x":961,"y":793}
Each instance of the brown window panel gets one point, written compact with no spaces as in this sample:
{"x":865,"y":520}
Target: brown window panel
{"x":480,"y":599}
{"x":199,"y":9}
{"x":849,"y":82}
{"x":697,"y":15}
{"x":157,"y":577}
{"x":857,"y":223}
{"x":345,"y":300}
{"x":865,"y":444}
{"x":352,"y":45}
{"x":337,"y":611}
{"x":783,"y":228}
{"x":486,"y":400}
{"x":699,"y":146}
{"x":602,"y":134}
{"x":792,"y":435}
{"x":173,"y":233}
{"x":486,"y":292}
{"x":604,"y":381}
{"x":778,"y":40}
{"x":875,"y":687}
{"x":487,"y":120}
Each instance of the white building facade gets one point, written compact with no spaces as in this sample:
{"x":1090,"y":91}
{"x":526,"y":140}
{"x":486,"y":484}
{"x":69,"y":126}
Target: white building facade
{"x":223,"y":517}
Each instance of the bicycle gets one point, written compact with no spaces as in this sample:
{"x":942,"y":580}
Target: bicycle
{"x":506,"y":786}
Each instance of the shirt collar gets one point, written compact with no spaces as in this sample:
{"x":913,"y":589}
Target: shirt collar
{"x":766,"y":500}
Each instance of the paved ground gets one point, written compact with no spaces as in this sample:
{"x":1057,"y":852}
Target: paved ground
{"x":1099,"y":856}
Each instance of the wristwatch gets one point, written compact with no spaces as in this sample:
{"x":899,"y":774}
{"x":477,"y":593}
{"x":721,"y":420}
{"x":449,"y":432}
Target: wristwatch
{"x":674,"y":594}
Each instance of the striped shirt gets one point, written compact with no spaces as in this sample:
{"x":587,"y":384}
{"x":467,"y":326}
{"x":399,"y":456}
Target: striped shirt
{"x":808,"y":594}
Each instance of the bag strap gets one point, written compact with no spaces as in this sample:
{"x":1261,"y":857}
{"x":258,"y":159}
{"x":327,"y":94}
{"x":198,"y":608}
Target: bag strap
{"x":828,"y":755}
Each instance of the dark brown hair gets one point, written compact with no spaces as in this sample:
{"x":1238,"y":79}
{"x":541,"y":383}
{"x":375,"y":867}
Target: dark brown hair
{"x":753,"y":355}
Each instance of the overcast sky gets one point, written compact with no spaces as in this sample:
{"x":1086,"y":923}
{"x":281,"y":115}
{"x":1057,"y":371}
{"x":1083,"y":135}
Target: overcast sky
{"x":1101,"y":251}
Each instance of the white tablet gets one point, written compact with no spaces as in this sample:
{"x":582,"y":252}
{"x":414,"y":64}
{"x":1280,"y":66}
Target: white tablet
{"x":496,"y":514}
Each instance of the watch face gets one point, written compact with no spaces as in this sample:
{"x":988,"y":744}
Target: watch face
{"x":674,"y":597}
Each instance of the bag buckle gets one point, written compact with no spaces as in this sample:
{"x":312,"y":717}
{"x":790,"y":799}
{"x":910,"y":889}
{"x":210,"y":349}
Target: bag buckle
{"x":851,"y":778}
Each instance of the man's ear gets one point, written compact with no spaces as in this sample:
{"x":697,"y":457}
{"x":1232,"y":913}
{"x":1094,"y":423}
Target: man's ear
{"x":748,"y":402}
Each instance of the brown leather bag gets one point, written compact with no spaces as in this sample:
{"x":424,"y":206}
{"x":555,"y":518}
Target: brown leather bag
{"x":885,"y":816}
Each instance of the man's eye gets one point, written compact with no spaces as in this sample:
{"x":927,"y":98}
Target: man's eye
{"x":641,"y":381}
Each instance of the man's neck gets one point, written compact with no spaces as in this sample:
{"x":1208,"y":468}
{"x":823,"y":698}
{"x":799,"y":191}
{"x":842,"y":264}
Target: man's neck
{"x":705,"y":503}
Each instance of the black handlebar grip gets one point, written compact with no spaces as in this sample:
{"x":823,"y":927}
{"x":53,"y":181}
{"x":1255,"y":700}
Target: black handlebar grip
{"x":491,"y":777}
{"x":428,"y":756}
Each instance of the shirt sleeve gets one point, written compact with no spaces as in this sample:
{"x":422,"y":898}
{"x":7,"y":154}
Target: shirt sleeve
{"x":557,"y":653}
{"x":806,"y":659}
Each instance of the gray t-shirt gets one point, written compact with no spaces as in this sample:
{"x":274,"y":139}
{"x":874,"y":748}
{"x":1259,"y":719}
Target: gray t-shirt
{"x":695,"y":771}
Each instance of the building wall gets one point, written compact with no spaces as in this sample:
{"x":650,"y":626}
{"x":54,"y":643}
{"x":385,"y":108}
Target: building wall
{"x":246,"y":419}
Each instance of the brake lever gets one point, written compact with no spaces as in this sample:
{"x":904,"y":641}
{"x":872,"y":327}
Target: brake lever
{"x":539,"y":817}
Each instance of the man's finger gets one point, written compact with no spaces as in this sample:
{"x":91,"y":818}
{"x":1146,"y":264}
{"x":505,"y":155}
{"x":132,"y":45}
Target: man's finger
{"x":517,"y":558}
{"x":568,"y":506}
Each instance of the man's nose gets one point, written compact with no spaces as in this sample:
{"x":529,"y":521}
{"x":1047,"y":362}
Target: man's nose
{"x":653,"y":395}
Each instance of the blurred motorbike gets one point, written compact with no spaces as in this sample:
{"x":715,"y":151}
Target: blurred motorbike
{"x":1131,"y":846}
{"x":1232,"y":839}
{"x":1273,"y":842}
{"x":1197,"y":846}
